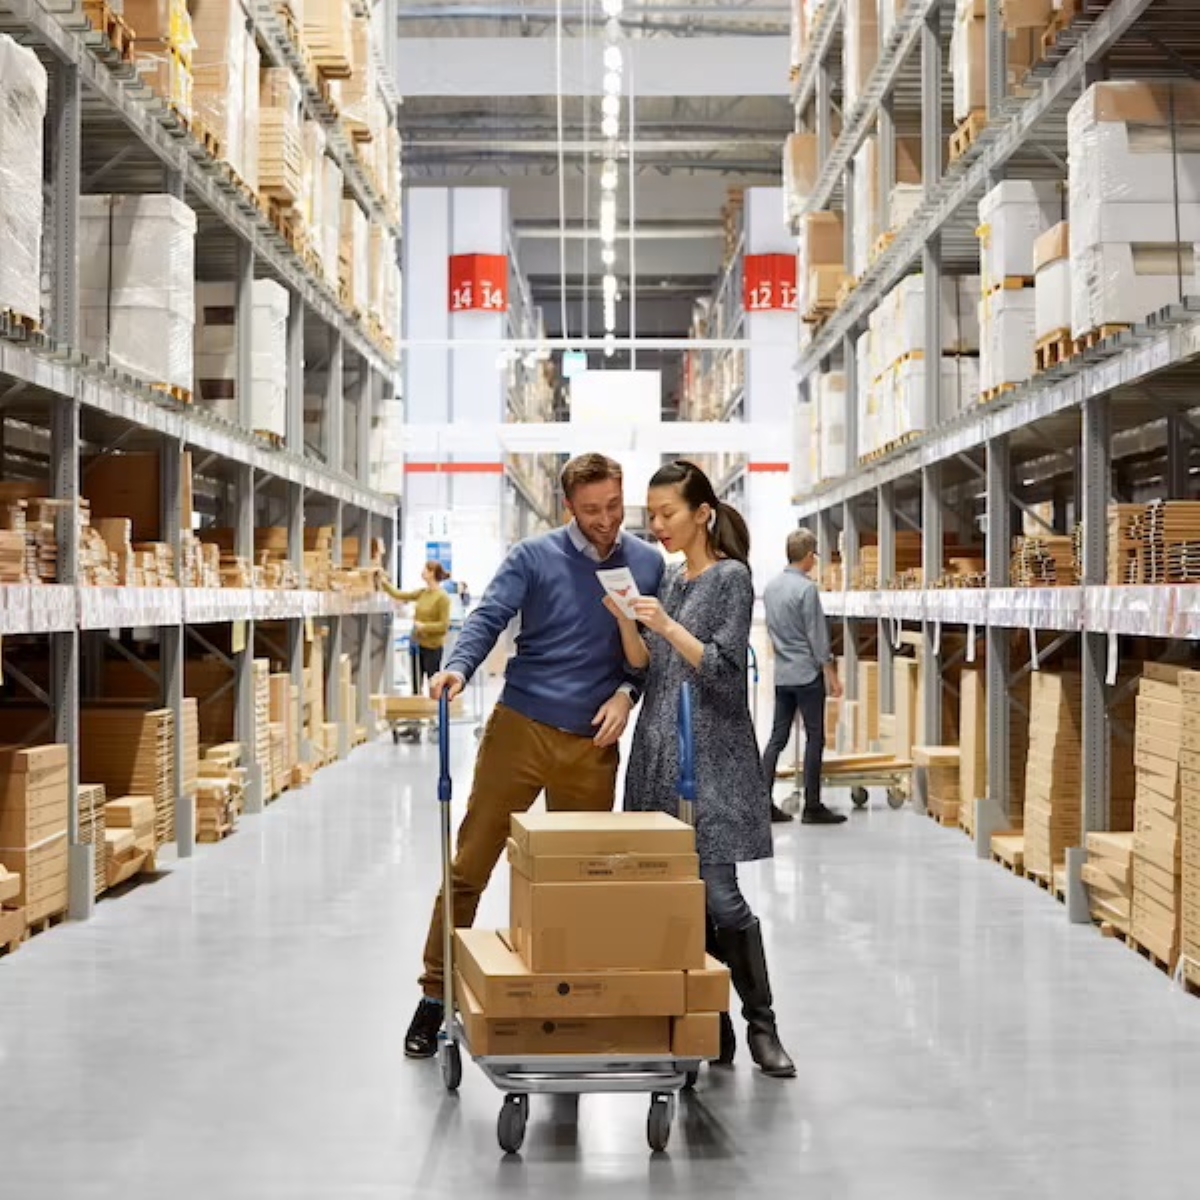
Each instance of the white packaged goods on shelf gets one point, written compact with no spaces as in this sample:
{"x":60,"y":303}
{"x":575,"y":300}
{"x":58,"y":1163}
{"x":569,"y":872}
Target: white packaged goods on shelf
{"x":805,"y":448}
{"x":355,"y":249}
{"x":1052,"y":282}
{"x":1007,"y":321}
{"x":822,"y":246}
{"x":905,"y":197}
{"x":801,"y":166}
{"x":219,"y":74}
{"x":136,"y":284}
{"x":860,"y":48}
{"x":1012,"y":216}
{"x":903,"y":203}
{"x":831,"y":425}
{"x":251,"y":107}
{"x":898,"y":325}
{"x":328,"y":234}
{"x":968,"y":62}
{"x":959,"y":391}
{"x":22,"y":120}
{"x":1123,"y":284}
{"x":358,"y":90}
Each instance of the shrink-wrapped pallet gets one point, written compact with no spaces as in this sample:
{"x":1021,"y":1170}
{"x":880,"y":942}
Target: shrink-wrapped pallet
{"x":1008,"y":334}
{"x":833,"y":456}
{"x":328,"y":233}
{"x":358,"y":90}
{"x":1052,"y":283}
{"x":353,"y":254}
{"x":164,"y":50}
{"x":219,"y":65}
{"x":1012,"y":216}
{"x":280,"y":145}
{"x":327,"y":33}
{"x":137,"y":285}
{"x":860,"y":48}
{"x":22,"y":119}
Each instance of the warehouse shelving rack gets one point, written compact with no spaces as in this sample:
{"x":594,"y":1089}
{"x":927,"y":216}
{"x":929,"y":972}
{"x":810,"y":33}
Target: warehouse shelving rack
{"x":106,"y":132}
{"x":1116,"y":422}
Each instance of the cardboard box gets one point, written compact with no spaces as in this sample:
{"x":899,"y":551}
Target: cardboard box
{"x":585,"y":868}
{"x":10,"y":885}
{"x":506,"y":987}
{"x":43,"y":871}
{"x":698,"y":1035}
{"x":608,"y":926}
{"x":613,"y":1036}
{"x":589,"y":833}
{"x":707,"y":990}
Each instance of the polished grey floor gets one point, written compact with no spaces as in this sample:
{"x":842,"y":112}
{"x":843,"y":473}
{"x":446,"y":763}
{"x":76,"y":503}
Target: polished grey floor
{"x":233,"y":1032}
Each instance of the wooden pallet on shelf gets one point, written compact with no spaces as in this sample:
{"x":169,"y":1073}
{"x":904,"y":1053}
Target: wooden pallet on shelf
{"x":967,"y":133}
{"x":991,"y":395}
{"x":172,"y":391}
{"x":1008,"y":849}
{"x":18,"y":326}
{"x":111,"y":26}
{"x":1092,"y":339}
{"x":1060,"y":21}
{"x":1053,"y":350}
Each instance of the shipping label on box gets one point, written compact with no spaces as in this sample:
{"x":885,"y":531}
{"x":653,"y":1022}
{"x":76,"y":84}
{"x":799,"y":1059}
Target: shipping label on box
{"x":608,"y":926}
{"x":506,"y":987}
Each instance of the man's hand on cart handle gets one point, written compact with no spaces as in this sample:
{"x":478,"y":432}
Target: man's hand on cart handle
{"x":450,"y":682}
{"x":612,"y":719}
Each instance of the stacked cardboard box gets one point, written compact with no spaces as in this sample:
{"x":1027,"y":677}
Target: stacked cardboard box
{"x":33,"y":826}
{"x":605,"y":949}
{"x":943,"y":792}
{"x":1135,"y":200}
{"x":22,"y":120}
{"x":163,"y":51}
{"x":131,"y":752}
{"x":1189,"y":776}
{"x":283,"y":714}
{"x":866,"y":735}
{"x":92,"y":826}
{"x":261,"y":674}
{"x":191,"y":745}
{"x":973,"y":760}
{"x":1163,"y":707}
{"x":280,"y":140}
{"x":968,"y":54}
{"x":1052,"y":784}
{"x":1052,"y":285}
{"x":314,"y":690}
{"x":1108,"y":876}
{"x":354,"y":248}
{"x":318,"y":556}
{"x":822,"y":264}
{"x":216,"y":813}
{"x":327,"y":34}
{"x":130,"y":836}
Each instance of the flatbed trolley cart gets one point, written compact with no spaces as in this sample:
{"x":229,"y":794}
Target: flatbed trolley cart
{"x":519,"y":1077}
{"x":422,"y":714}
{"x":858,"y":773}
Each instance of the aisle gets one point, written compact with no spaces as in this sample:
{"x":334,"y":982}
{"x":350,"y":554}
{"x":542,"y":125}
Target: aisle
{"x":233,"y":1032}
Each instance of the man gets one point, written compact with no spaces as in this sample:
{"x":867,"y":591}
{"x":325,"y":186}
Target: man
{"x":566,"y":700}
{"x":804,"y":672}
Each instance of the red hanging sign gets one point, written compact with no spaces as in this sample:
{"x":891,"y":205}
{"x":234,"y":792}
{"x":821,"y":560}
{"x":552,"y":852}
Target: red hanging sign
{"x":478,"y":283}
{"x":769,"y":283}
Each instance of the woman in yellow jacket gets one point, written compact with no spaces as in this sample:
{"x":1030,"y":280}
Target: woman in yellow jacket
{"x":431,"y":621}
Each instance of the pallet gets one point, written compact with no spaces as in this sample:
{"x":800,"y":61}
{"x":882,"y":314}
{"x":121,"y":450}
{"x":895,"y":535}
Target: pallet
{"x":1089,"y":341}
{"x":1008,"y":849}
{"x":213,"y":146}
{"x":818,"y":314}
{"x":210,"y":838}
{"x":943,"y":813}
{"x":1109,"y":930}
{"x":173,"y":392}
{"x":17,"y":326}
{"x":1053,"y":350}
{"x":905,"y":439}
{"x":12,"y":930}
{"x":1168,"y":968}
{"x":1042,"y":881}
{"x":332,"y":67}
{"x":272,"y":439}
{"x":1012,"y":283}
{"x":967,"y":133}
{"x":994,"y":394}
{"x":42,"y":924}
{"x":883,"y":243}
{"x":110,"y":26}
{"x":1061,"y":20}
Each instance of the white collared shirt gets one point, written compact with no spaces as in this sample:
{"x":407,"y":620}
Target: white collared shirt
{"x":585,"y":547}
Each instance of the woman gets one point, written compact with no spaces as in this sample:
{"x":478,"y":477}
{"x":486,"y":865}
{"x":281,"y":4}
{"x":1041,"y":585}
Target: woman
{"x":698,"y":631}
{"x":431,"y":621}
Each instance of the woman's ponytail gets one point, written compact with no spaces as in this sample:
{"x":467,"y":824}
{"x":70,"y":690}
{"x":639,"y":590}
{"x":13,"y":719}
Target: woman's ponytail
{"x":729,"y":535}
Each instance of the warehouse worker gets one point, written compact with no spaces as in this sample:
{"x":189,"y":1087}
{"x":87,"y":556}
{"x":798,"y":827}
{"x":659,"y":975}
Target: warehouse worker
{"x":566,"y":700}
{"x":431,"y":623}
{"x":804,"y":672}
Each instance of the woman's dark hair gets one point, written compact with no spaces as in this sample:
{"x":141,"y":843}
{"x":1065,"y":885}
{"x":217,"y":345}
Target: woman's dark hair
{"x":439,"y":572}
{"x":728,"y":536}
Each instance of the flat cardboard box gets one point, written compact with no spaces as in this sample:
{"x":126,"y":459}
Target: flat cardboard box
{"x":506,"y":987}
{"x":591,"y":868}
{"x":613,"y":1036}
{"x":1168,"y":711}
{"x":1167,"y":673}
{"x":708,"y":989}
{"x":608,"y":926}
{"x":698,"y":1035}
{"x":10,"y":884}
{"x":1157,"y":689}
{"x":1052,"y":246}
{"x":591,"y":833}
{"x":43,"y":871}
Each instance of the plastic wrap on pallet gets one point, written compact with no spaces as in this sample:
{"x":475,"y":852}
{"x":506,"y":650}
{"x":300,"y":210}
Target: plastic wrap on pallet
{"x":327,"y":33}
{"x":250,"y":112}
{"x":312,"y":198}
{"x":354,"y":251}
{"x":832,"y":457}
{"x":358,"y":90}
{"x":820,"y":269}
{"x":805,"y":448}
{"x":968,"y":62}
{"x":860,"y":47}
{"x":1007,"y":323}
{"x":280,"y":147}
{"x":329,"y":233}
{"x":162,"y":70}
{"x":1052,"y":282}
{"x":898,"y":323}
{"x":219,"y":80}
{"x":1012,"y":216}
{"x":268,"y":360}
{"x":1123,"y":284}
{"x":22,"y":122}
{"x":959,"y":391}
{"x":136,"y":268}
{"x":801,"y":166}
{"x":865,"y":230}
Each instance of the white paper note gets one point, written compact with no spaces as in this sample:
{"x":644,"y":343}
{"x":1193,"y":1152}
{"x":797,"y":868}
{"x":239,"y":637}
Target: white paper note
{"x":620,"y":584}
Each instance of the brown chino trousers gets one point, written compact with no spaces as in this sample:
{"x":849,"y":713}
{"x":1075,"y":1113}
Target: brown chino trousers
{"x":518,"y":758}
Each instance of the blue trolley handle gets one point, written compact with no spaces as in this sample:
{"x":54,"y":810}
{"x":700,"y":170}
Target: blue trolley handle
{"x":753,"y":665}
{"x":445,"y":785}
{"x":687,"y":757}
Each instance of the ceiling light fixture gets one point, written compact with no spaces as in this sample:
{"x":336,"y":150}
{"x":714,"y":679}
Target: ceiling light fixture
{"x":612,"y":8}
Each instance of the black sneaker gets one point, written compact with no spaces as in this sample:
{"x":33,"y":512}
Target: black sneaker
{"x":779,"y":817}
{"x":822,"y":816}
{"x":421,"y":1040}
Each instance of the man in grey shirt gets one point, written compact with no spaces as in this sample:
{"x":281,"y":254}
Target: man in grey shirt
{"x":804,"y":672}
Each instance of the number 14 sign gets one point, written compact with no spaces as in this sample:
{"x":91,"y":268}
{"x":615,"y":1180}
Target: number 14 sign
{"x":478,"y":283}
{"x":769,"y":283}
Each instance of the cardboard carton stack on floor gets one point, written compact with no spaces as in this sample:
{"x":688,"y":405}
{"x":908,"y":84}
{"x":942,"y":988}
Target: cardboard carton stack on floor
{"x":283,"y":714}
{"x":261,"y":671}
{"x":12,"y":917}
{"x":216,"y":814}
{"x":972,"y":732}
{"x":1189,"y":774}
{"x":605,"y":950}
{"x":1052,"y":781}
{"x":1162,"y":709}
{"x":1108,"y":877}
{"x":314,"y":691}
{"x":940,"y":766}
{"x":33,"y":827}
{"x":92,"y":826}
{"x":866,"y":735}
{"x":130,"y":836}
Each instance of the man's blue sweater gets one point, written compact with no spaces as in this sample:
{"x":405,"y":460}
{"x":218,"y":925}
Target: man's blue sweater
{"x":569,"y":659}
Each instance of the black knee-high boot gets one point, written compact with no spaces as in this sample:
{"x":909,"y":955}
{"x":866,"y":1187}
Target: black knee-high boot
{"x":712,"y":945}
{"x":742,"y":951}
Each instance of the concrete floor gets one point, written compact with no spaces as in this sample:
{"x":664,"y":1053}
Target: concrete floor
{"x":233,"y":1032}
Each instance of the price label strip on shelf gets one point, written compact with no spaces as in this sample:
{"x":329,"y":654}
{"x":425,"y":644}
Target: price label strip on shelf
{"x":1035,"y":662}
{"x":970,"y":643}
{"x":1114,"y":658}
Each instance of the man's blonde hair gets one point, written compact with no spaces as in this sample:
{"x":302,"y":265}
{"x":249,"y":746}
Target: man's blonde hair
{"x":800,"y":544}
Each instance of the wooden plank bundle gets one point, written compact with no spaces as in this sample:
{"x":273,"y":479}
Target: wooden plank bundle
{"x":1108,"y":877}
{"x":280,"y":137}
{"x":1052,"y":817}
{"x":130,"y":751}
{"x":130,"y":836}
{"x":261,"y":675}
{"x":34,"y":826}
{"x":92,"y":825}
{"x":318,"y":556}
{"x":1157,"y":855}
{"x":1125,"y":543}
{"x":1189,"y":775}
{"x":216,"y":807}
{"x":1045,"y":561}
{"x":191,"y":745}
{"x":940,"y":767}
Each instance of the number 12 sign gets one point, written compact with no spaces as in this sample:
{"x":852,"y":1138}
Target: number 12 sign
{"x":769,"y":283}
{"x":478,"y":283}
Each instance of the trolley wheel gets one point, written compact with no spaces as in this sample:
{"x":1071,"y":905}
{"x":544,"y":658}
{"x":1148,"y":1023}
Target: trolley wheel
{"x":451,"y":1066}
{"x":859,"y":796}
{"x":895,"y":798}
{"x":691,"y":1079}
{"x":395,"y":736}
{"x":510,"y":1127}
{"x":658,"y":1123}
